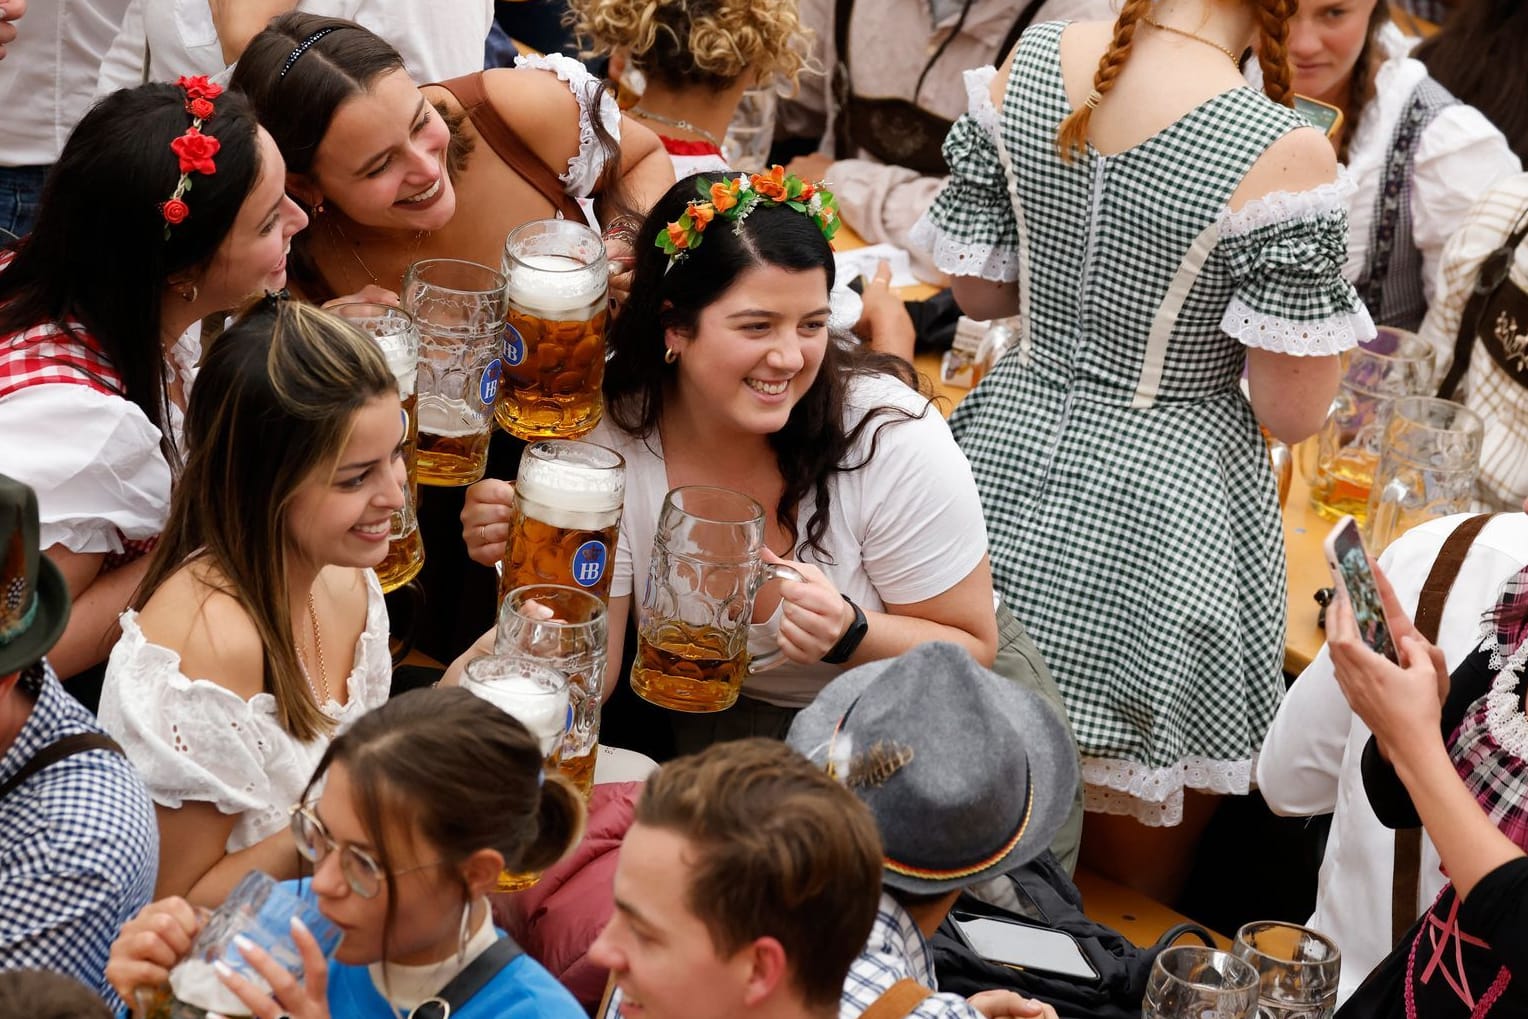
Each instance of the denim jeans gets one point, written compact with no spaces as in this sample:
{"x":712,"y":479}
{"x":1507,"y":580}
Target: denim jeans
{"x":20,"y":193}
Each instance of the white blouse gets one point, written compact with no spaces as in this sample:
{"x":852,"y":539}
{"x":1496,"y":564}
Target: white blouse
{"x":1459,"y":156}
{"x":193,"y":739}
{"x":585,"y":168}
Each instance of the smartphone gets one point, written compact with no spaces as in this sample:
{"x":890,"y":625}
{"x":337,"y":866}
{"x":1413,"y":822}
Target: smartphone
{"x":1025,"y":946}
{"x":1325,"y":116}
{"x":1350,"y":567}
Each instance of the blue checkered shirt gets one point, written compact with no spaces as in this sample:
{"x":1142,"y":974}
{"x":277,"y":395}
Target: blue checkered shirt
{"x":78,"y":845}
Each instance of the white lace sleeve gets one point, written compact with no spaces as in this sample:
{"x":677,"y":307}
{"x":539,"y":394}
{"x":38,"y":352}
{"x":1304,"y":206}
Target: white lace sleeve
{"x":978,"y":82}
{"x":1278,"y":207}
{"x":585,"y":168}
{"x":94,"y":461}
{"x":189,"y":739}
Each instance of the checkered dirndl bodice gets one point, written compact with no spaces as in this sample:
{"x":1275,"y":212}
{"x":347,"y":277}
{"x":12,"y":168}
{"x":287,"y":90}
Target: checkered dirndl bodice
{"x":1129,"y":503}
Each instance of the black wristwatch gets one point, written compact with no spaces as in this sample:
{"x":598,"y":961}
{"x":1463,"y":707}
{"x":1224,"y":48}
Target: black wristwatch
{"x":840,"y":652}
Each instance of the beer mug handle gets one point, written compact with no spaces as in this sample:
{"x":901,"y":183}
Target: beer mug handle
{"x":1385,"y":507}
{"x":772,"y":571}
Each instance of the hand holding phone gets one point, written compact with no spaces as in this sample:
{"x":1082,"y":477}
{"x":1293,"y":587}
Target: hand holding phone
{"x":1349,"y":563}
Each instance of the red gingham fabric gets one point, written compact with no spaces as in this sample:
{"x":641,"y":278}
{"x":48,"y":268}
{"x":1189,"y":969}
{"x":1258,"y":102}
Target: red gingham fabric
{"x":47,"y":354}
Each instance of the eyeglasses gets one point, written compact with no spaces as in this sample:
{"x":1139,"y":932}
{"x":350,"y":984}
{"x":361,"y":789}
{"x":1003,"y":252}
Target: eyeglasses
{"x":362,"y":873}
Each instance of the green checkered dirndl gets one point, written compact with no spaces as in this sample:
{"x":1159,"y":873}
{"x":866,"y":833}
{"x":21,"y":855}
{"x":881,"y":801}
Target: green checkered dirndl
{"x":1129,"y":503}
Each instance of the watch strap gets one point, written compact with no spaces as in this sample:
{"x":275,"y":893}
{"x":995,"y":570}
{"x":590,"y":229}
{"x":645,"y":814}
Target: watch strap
{"x":850,"y":641}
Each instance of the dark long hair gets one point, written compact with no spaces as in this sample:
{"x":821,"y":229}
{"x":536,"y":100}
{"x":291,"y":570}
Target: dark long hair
{"x":462,"y":773}
{"x":1361,"y":84}
{"x":1474,"y":55}
{"x":99,"y":255}
{"x":814,"y":444}
{"x":275,"y":401}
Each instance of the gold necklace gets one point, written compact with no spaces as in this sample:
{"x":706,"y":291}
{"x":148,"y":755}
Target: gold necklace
{"x":355,"y":249}
{"x":1154,"y":23}
{"x":683,"y":125}
{"x":318,"y":652}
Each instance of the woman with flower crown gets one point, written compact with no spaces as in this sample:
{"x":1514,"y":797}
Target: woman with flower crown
{"x":723,"y":373}
{"x":186,"y":190}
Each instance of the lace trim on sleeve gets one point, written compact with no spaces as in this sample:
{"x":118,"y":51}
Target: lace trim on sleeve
{"x":978,"y":83}
{"x":997,"y":263}
{"x":585,"y":168}
{"x":1319,"y":338}
{"x":1284,"y":206}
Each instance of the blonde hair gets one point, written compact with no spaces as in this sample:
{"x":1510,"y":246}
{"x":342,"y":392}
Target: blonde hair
{"x":1272,"y":55}
{"x":696,"y":42}
{"x":275,"y":401}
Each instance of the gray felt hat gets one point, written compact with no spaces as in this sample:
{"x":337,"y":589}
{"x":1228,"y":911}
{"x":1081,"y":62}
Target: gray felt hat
{"x":968,"y":774}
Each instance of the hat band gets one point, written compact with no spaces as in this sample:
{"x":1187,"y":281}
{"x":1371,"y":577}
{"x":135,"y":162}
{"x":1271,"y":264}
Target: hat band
{"x":928,"y":874}
{"x":21,"y":625}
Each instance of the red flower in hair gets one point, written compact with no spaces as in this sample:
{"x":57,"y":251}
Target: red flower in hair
{"x":201,"y":109}
{"x":196,"y":151}
{"x":174,"y":211}
{"x":199,"y":87}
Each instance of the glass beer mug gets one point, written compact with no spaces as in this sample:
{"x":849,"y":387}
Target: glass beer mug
{"x":1347,"y":448}
{"x":554,"y":339}
{"x":396,"y":335}
{"x":1297,"y":969}
{"x":1430,"y":459}
{"x":537,"y":696}
{"x":1195,"y":982}
{"x":567,"y":514}
{"x":692,"y":630}
{"x":459,"y":309}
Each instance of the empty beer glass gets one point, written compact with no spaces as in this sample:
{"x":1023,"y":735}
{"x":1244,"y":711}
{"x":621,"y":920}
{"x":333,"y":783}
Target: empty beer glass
{"x":459,"y":309}
{"x":692,"y":631}
{"x":394,"y":331}
{"x":259,"y":908}
{"x":1428,"y":467}
{"x":1297,"y":969}
{"x":554,"y":340}
{"x":1347,"y":448}
{"x":1195,"y":982}
{"x":752,"y":129}
{"x":563,"y":628}
{"x":567,"y":514}
{"x":536,"y":695}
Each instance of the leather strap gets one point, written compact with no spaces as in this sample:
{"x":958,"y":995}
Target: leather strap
{"x":469,"y":981}
{"x":1407,"y":870}
{"x":508,"y":145}
{"x":57,"y":751}
{"x":1494,"y":271}
{"x":898,"y":1000}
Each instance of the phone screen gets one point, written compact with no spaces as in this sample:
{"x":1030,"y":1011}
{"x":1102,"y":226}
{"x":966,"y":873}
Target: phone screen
{"x":1017,"y":944}
{"x":1350,"y":565}
{"x":1324,"y":116}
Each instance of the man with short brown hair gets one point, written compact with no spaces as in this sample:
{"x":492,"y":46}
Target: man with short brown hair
{"x":746,"y":885}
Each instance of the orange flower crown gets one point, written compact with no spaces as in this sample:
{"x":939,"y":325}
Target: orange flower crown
{"x":194,"y":149}
{"x":734,"y":198}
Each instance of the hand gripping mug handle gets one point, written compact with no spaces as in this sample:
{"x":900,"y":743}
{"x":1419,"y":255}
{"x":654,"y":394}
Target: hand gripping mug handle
{"x":771,"y":659}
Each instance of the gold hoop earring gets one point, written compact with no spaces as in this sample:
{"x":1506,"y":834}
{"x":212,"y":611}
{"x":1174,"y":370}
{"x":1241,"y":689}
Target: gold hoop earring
{"x":190,"y":296}
{"x":670,"y":355}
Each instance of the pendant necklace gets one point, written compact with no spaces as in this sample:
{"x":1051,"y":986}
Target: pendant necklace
{"x":683,"y":125}
{"x":1154,"y":23}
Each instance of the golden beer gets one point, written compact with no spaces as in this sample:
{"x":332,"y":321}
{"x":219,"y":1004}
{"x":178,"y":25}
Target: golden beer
{"x":405,"y":547}
{"x":567,"y":515}
{"x":580,"y":770}
{"x":554,"y":337}
{"x":1342,"y":483}
{"x":453,"y":442}
{"x":687,"y":668}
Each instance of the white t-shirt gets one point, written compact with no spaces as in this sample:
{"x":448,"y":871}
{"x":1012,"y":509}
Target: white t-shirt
{"x":905,"y":527}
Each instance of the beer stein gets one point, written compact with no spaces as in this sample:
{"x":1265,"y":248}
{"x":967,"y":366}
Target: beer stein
{"x":752,"y":129}
{"x":564,"y":628}
{"x":1195,"y":982}
{"x":537,"y":696}
{"x":554,"y":341}
{"x":1297,"y":969}
{"x":692,"y":631}
{"x":394,"y":331}
{"x":567,"y":514}
{"x":1347,"y":448}
{"x":1428,"y":467}
{"x":260,"y":909}
{"x":459,"y":309}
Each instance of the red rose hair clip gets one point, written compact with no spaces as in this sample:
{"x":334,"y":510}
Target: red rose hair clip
{"x":194,"y":148}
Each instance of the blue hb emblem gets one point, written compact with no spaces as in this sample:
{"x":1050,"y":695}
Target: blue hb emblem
{"x":514,"y":346}
{"x":488,"y":389}
{"x":588,"y":563}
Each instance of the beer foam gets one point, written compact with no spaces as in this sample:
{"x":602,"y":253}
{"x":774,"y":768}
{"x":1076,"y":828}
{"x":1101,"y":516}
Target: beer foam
{"x":568,"y":484}
{"x":550,"y":285}
{"x":522,"y":698}
{"x":195,"y":982}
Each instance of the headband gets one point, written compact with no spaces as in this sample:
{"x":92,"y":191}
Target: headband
{"x":733,"y":199}
{"x":194,"y":149}
{"x":302,"y":48}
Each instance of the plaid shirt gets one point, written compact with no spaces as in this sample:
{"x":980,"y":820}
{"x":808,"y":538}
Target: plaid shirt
{"x":78,"y":845}
{"x":894,"y":950}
